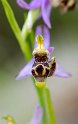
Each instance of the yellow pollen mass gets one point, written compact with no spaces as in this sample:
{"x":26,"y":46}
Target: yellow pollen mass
{"x":40,"y":41}
{"x":41,"y":48}
{"x":40,"y":84}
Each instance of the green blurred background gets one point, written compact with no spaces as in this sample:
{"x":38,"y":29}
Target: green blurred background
{"x":18,"y":98}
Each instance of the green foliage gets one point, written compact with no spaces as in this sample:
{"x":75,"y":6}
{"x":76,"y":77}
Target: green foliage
{"x":11,"y":18}
{"x":14,"y":25}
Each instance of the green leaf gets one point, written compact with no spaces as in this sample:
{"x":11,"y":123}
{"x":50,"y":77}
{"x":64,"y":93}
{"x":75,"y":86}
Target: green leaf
{"x":14,"y":25}
{"x":11,"y":18}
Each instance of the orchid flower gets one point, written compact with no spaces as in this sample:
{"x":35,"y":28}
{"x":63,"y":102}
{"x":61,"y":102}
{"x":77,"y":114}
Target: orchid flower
{"x":44,"y":5}
{"x":42,"y":65}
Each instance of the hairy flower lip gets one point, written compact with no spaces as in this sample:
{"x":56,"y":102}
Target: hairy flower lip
{"x":45,"y":6}
{"x":59,"y":72}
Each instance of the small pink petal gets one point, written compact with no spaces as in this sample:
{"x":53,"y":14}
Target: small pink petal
{"x":37,"y":116}
{"x":51,"y":49}
{"x":44,"y":31}
{"x":26,"y":71}
{"x":60,"y":72}
{"x":46,"y":9}
{"x":33,"y":5}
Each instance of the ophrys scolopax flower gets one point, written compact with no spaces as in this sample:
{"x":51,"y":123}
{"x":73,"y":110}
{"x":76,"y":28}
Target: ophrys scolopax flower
{"x":42,"y":65}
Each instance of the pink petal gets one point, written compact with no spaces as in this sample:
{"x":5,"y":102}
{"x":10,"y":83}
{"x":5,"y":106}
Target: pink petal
{"x":46,"y":9}
{"x":43,"y":30}
{"x":60,"y":72}
{"x":51,"y":49}
{"x":38,"y":32}
{"x":37,"y":116}
{"x":46,"y":36}
{"x":26,"y":71}
{"x":33,"y":5}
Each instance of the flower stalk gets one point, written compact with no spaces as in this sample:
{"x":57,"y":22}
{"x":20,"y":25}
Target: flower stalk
{"x":16,"y":29}
{"x":40,"y":92}
{"x":46,"y":103}
{"x":49,"y":106}
{"x":30,"y":20}
{"x":41,"y":99}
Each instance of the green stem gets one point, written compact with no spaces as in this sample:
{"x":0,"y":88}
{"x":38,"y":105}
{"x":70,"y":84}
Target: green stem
{"x":15,"y":28}
{"x":49,"y":106}
{"x":30,"y":20}
{"x":40,"y":93}
{"x":26,"y":50}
